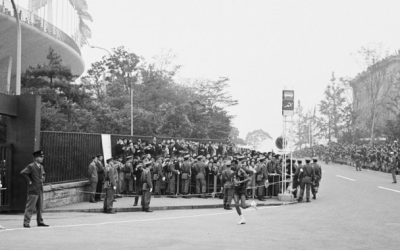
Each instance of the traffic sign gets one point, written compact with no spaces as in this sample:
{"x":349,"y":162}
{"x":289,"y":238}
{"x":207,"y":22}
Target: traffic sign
{"x":287,"y":102}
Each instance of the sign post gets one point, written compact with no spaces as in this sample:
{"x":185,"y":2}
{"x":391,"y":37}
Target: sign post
{"x":287,"y":110}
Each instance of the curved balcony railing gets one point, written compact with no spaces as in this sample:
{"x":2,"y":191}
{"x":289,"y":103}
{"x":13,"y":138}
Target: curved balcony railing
{"x":35,"y":21}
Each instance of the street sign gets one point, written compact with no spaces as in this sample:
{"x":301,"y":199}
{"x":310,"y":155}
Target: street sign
{"x":287,"y":102}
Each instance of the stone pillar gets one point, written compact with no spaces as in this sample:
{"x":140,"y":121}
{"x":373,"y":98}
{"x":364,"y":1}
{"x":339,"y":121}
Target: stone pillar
{"x":5,"y":74}
{"x":23,"y":132}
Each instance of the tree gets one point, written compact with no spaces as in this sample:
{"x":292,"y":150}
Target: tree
{"x":234,"y":136}
{"x":256,"y":137}
{"x":332,"y":107}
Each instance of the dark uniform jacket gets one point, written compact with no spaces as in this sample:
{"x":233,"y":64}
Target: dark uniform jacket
{"x":110,"y":177}
{"x":146,"y":178}
{"x":128,"y":170}
{"x":261,"y":170}
{"x":200,"y":170}
{"x":317,"y":171}
{"x":308,"y":173}
{"x":92,"y":173}
{"x":100,"y":171}
{"x":34,"y":173}
{"x":227,"y":176}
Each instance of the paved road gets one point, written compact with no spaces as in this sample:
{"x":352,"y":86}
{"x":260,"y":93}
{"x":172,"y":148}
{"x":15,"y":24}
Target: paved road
{"x":351,"y":212}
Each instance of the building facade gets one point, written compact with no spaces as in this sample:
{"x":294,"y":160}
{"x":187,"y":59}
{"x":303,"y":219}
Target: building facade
{"x":44,"y":23}
{"x":376,"y":93}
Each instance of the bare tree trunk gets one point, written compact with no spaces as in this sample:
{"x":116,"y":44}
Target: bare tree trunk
{"x":372,"y":129}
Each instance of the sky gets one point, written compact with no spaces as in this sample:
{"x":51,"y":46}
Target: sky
{"x":262,"y":46}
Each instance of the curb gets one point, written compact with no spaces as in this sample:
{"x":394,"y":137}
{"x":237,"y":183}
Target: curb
{"x":139,"y":209}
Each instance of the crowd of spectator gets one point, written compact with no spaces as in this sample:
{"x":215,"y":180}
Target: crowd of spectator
{"x":371,"y":156}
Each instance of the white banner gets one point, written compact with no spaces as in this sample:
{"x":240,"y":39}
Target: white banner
{"x":106,"y":143}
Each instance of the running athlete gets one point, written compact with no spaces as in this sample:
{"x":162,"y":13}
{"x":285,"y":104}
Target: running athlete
{"x":240,"y":179}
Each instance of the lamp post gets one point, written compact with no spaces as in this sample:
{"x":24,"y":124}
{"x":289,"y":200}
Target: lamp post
{"x":18,"y":67}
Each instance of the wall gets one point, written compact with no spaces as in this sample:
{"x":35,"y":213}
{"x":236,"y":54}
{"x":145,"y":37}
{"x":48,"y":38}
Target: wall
{"x":64,"y":194}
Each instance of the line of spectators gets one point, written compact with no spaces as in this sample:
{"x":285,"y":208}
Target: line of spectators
{"x":375,"y":157}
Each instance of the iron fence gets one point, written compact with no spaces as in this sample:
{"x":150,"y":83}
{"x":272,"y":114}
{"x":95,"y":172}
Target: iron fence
{"x":5,"y":174}
{"x":68,"y":155}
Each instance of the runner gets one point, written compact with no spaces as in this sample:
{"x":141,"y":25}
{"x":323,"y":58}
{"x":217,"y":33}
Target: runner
{"x":240,"y":179}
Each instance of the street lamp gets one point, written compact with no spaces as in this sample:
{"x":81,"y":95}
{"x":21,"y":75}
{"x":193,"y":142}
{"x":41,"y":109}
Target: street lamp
{"x":18,"y":69}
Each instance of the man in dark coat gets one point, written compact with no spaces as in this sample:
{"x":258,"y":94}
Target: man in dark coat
{"x":307,"y":175}
{"x":318,"y":177}
{"x":100,"y":177}
{"x":146,"y":188}
{"x":93,"y":179}
{"x":110,"y":185}
{"x":34,"y":175}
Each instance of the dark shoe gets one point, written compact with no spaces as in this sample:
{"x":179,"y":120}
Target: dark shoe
{"x":308,"y":200}
{"x":228,"y":207}
{"x":261,"y":199}
{"x":299,"y":199}
{"x":157,"y":196}
{"x":93,"y":201}
{"x":135,"y":204}
{"x":115,"y":200}
{"x":148,"y":211}
{"x":224,"y":206}
{"x":394,"y":182}
{"x":42,"y":225}
{"x":111,"y":212}
{"x":314,"y":196}
{"x":27,"y":226}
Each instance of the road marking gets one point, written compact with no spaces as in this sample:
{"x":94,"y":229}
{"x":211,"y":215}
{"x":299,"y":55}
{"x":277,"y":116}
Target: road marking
{"x":131,"y":221}
{"x":393,"y":190}
{"x":345,"y":178}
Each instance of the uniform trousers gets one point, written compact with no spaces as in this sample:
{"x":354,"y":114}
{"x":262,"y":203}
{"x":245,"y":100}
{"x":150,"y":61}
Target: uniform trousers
{"x":171,"y":184}
{"x":228,"y":196}
{"x":307,"y":186}
{"x":260,"y":189}
{"x":138,"y":189}
{"x":200,"y":183}
{"x":93,"y":187}
{"x":157,"y":186}
{"x":108,"y":200}
{"x":32,"y":202}
{"x":99,"y":190}
{"x":128,"y":185}
{"x":185,"y":185}
{"x":146,"y":198}
{"x":314,"y":187}
{"x":394,"y":175}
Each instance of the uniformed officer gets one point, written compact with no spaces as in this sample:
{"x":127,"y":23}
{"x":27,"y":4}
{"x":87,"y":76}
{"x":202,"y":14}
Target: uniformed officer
{"x":110,"y":186}
{"x":393,"y":162}
{"x":186,"y":174}
{"x":34,"y":175}
{"x":200,"y":176}
{"x":93,"y":179}
{"x":307,"y":176}
{"x":357,"y":160}
{"x":147,"y":187}
{"x":317,"y":179}
{"x":137,"y":172}
{"x":172,"y":175}
{"x":157,"y":176}
{"x":128,"y":176}
{"x":261,"y":177}
{"x":228,"y":185}
{"x":296,"y":177}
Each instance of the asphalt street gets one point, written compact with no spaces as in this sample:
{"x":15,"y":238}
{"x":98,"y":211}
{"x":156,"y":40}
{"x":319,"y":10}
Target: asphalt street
{"x":353,"y":210}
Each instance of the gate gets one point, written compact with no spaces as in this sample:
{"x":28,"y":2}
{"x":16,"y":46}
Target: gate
{"x":5,"y":176}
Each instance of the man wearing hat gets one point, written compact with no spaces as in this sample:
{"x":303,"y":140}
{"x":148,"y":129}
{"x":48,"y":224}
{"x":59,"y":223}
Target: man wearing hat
{"x":261,"y":177}
{"x":296,"y":177}
{"x":200,"y":169}
{"x":172,"y":175}
{"x":186,"y":174}
{"x":228,"y":185}
{"x":158,"y":176}
{"x":307,"y":176}
{"x":109,"y":187}
{"x":147,"y":187}
{"x":34,"y":175}
{"x":100,"y":175}
{"x":393,"y":165}
{"x":317,"y":179}
{"x":121,"y":178}
{"x":93,"y":179}
{"x":137,"y":172}
{"x":128,"y":175}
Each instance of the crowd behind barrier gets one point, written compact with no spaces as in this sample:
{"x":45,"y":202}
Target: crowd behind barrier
{"x":382,"y":157}
{"x":176,"y":165}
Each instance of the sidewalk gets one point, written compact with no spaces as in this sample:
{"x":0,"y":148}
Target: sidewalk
{"x":125,"y":204}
